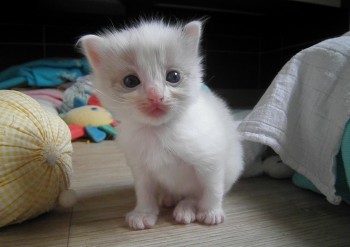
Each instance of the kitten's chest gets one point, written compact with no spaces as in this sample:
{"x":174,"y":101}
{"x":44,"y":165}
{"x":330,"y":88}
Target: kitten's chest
{"x":163,"y":161}
{"x":151,"y":147}
{"x":160,"y":153}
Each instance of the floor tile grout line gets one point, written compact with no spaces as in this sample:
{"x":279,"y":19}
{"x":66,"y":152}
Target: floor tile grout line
{"x":70,"y":225}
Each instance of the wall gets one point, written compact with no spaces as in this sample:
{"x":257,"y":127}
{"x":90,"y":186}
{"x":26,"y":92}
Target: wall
{"x":244,"y":45}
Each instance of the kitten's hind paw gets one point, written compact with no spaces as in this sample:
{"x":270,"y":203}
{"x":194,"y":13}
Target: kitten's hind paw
{"x":211,"y":217}
{"x":185,"y":212}
{"x":140,"y":220}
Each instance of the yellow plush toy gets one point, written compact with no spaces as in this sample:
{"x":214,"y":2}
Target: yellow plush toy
{"x":88,"y":116}
{"x":91,"y":121}
{"x":35,"y":159}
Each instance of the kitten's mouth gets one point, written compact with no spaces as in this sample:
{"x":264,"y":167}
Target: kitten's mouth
{"x":155,"y":110}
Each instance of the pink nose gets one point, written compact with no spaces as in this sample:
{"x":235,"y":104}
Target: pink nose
{"x":155,"y":97}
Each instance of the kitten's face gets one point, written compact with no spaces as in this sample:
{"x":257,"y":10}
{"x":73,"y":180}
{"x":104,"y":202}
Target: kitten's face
{"x":149,"y":73}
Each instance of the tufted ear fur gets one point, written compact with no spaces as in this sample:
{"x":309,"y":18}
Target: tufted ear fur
{"x":192,"y":32}
{"x":92,"y":48}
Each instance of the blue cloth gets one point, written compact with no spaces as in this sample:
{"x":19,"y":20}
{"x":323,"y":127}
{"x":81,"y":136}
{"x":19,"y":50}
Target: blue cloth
{"x":44,"y":73}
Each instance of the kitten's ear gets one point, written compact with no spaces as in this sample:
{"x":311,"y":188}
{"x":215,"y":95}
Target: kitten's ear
{"x":193,"y":31}
{"x":91,"y":45}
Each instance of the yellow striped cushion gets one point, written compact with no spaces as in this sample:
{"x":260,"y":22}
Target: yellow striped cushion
{"x":35,"y":158}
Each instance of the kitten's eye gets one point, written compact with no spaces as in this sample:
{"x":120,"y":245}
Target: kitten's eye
{"x":173,"y":77}
{"x":131,"y":81}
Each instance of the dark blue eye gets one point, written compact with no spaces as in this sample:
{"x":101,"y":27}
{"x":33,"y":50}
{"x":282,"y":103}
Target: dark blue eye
{"x":131,"y":81}
{"x":173,"y":77}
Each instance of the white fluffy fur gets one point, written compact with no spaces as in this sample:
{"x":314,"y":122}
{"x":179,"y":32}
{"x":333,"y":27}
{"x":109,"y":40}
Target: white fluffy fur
{"x":190,"y":156}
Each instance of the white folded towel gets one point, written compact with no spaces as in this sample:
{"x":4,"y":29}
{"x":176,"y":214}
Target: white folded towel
{"x":303,"y":113}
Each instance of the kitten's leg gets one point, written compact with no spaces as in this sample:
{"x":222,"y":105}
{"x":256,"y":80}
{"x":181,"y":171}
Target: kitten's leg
{"x":145,"y":213}
{"x":185,"y":211}
{"x":210,"y":210}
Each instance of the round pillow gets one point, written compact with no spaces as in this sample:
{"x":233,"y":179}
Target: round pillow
{"x":35,"y":158}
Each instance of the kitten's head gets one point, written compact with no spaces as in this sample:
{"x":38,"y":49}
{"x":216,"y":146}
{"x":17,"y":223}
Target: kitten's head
{"x":148,"y":73}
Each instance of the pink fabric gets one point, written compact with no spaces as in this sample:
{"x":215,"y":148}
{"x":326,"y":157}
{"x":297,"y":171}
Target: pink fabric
{"x":53,"y":95}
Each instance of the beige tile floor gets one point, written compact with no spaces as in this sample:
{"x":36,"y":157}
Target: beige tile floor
{"x":260,"y":212}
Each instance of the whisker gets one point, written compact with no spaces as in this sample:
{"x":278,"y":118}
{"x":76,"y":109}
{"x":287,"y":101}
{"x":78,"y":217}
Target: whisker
{"x":117,"y":100}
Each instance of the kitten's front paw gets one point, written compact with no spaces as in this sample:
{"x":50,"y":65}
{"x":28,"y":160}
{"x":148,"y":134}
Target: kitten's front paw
{"x":140,"y":220}
{"x":211,"y":217}
{"x":185,"y":212}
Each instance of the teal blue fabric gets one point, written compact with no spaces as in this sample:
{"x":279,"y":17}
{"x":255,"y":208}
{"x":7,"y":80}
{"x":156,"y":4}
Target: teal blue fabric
{"x":302,"y":182}
{"x":342,"y":184}
{"x":343,"y":178}
{"x":205,"y":88}
{"x":44,"y":73}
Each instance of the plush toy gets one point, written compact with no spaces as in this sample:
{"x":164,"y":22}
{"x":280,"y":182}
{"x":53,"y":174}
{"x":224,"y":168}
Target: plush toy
{"x":259,"y":159}
{"x":89,"y":119}
{"x":275,"y":168}
{"x":35,"y":159}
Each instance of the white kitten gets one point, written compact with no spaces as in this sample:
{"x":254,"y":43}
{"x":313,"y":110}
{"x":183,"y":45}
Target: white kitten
{"x":179,"y":138}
